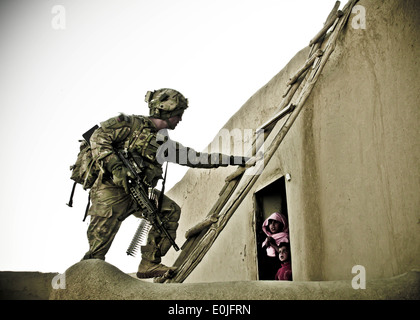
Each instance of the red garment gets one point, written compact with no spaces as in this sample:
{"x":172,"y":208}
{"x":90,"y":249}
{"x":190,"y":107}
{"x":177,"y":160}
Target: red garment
{"x":285,"y":272}
{"x":282,"y":236}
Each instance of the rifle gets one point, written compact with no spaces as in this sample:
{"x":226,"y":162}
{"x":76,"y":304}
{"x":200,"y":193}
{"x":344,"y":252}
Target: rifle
{"x":134,"y":163}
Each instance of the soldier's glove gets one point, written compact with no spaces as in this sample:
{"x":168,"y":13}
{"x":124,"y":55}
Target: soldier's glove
{"x":238,"y":160}
{"x":120,"y":174}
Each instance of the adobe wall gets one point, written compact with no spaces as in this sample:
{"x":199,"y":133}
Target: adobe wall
{"x":25,"y":285}
{"x":353,"y":155}
{"x":365,"y":131}
{"x":99,"y":280}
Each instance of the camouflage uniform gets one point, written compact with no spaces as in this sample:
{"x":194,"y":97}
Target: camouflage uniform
{"x":110,"y":200}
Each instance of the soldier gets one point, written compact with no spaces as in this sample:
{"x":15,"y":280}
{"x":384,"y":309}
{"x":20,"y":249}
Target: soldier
{"x":109,"y":194}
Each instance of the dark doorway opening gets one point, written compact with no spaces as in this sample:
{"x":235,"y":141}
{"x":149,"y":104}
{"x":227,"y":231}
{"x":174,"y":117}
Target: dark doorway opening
{"x":268,"y":200}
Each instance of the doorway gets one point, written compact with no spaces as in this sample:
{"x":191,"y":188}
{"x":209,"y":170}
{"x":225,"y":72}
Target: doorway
{"x":268,"y":200}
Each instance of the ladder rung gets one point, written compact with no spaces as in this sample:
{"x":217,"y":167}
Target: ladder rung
{"x":276,"y":117}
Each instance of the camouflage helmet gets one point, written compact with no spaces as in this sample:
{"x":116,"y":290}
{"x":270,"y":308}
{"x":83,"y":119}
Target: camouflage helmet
{"x":166,"y":103}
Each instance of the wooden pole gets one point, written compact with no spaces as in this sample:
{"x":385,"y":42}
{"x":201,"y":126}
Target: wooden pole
{"x":307,"y":65}
{"x":326,"y":27}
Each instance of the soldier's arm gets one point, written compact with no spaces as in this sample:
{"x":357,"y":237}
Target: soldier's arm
{"x":173,"y":151}
{"x":111,"y":133}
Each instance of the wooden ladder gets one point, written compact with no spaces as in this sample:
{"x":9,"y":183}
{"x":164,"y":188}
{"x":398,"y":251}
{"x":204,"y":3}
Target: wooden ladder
{"x":268,"y":137}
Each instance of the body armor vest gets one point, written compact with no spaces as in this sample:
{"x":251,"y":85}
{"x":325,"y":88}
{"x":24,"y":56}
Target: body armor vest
{"x":143,"y":140}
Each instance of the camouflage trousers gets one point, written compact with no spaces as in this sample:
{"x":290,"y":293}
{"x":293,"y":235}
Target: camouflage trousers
{"x":109,"y":202}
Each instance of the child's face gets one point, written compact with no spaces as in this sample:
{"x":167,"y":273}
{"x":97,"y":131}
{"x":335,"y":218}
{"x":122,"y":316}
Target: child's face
{"x":274,"y":226}
{"x":283,"y":254}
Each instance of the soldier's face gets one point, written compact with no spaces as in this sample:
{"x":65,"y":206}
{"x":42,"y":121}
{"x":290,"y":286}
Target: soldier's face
{"x":173,"y":121}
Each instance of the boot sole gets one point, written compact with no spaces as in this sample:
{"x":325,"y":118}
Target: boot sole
{"x":154,"y":274}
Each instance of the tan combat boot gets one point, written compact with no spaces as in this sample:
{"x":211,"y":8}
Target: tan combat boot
{"x":149,"y":269}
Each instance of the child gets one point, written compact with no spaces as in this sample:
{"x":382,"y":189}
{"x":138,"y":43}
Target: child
{"x":285,"y":271}
{"x":277,"y":231}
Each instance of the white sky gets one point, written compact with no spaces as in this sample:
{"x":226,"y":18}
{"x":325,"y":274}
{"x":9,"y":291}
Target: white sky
{"x":56,"y":84}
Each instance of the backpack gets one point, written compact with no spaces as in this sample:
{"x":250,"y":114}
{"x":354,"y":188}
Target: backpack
{"x":85,"y":171}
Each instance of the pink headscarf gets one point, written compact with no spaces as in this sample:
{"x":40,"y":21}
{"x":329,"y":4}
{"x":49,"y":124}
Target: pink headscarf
{"x":282,"y":236}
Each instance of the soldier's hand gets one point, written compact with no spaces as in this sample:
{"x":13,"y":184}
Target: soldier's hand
{"x":238,"y":160}
{"x":120,"y":175}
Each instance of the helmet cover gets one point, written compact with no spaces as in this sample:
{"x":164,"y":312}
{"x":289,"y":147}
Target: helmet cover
{"x":166,"y":103}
